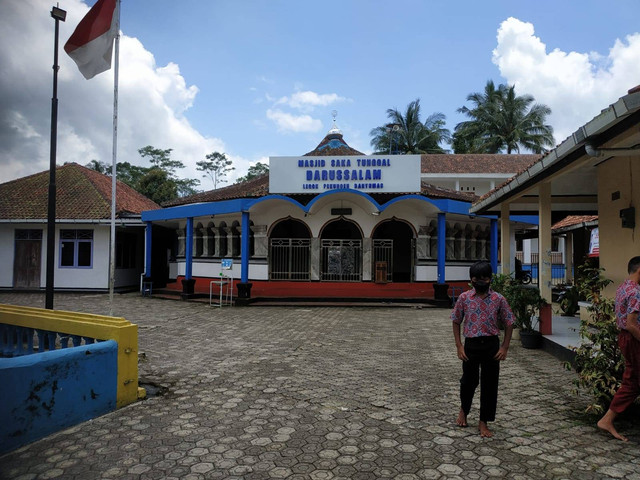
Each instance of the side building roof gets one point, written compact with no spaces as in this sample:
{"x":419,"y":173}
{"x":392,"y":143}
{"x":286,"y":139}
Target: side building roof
{"x":474,"y":163}
{"x":81,"y":194}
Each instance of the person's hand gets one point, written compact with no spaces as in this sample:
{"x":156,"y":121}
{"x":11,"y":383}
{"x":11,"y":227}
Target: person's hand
{"x":502,"y":353}
{"x":461,"y":355}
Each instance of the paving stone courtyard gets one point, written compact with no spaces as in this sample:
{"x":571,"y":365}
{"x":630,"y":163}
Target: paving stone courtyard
{"x":319,"y":393}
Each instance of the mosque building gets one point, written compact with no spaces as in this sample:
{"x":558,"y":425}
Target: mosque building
{"x":333,"y":223}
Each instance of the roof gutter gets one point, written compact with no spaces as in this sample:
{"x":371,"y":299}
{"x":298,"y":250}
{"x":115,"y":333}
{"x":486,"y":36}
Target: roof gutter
{"x":562,"y":154}
{"x":611,"y":152}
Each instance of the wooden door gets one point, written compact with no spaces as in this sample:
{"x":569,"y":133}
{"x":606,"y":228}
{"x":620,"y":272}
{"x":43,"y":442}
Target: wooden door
{"x":27,"y":259}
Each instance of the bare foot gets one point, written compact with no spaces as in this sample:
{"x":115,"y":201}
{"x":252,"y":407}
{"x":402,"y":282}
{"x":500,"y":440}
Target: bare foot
{"x":461,"y":421}
{"x":605,"y":425}
{"x":484,"y":430}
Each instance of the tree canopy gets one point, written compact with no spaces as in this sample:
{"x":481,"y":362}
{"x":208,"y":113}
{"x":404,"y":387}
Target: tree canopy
{"x":158,"y":182}
{"x":500,"y":120}
{"x":216,"y":166}
{"x":254,"y":171}
{"x":407,"y":134}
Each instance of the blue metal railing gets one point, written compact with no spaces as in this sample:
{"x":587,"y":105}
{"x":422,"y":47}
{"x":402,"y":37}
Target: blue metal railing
{"x":16,"y":341}
{"x":558,"y":272}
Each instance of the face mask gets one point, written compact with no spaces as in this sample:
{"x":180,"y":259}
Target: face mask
{"x":481,"y":287}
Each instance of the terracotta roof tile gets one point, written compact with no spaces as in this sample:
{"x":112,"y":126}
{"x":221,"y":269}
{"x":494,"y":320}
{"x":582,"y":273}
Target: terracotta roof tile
{"x":476,"y":163}
{"x":81,"y":193}
{"x":572,"y":220}
{"x":331,"y":146}
{"x":257,"y":187}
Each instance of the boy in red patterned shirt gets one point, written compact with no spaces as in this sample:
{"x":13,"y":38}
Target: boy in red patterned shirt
{"x":627,"y":308}
{"x":482,"y":311}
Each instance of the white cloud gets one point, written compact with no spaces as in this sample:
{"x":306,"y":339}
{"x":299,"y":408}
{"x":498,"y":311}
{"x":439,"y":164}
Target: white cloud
{"x":304,"y":101}
{"x":309,"y":100}
{"x":577,"y":86}
{"x":152,"y":101}
{"x":287,"y":122}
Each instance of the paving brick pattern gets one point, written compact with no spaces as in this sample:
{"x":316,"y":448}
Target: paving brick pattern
{"x":320,"y":393}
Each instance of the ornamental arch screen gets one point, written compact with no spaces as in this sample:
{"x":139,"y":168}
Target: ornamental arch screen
{"x":223,"y":241}
{"x":290,"y":251}
{"x":341,"y":252}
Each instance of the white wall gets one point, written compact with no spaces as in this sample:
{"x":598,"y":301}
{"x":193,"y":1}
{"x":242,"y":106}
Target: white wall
{"x":7,"y":251}
{"x":80,"y":278}
{"x":95,"y":277}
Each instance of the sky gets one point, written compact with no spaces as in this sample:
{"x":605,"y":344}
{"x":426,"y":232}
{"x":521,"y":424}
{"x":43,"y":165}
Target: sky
{"x":258,"y":78}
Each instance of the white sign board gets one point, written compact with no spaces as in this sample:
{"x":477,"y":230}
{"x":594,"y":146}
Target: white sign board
{"x":371,"y":174}
{"x":594,"y":243}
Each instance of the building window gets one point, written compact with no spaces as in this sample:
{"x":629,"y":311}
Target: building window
{"x":125,"y":251}
{"x":76,"y":248}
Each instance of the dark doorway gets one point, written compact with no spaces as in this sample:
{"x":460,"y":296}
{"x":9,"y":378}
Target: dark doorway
{"x":290,"y":251}
{"x":393,"y":243}
{"x":341,"y":252}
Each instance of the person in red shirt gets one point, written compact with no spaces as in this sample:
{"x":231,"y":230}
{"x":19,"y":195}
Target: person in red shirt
{"x":627,"y":308}
{"x":480,"y":312}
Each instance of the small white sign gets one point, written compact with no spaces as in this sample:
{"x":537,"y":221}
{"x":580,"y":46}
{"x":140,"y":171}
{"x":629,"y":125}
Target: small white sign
{"x":371,"y":174}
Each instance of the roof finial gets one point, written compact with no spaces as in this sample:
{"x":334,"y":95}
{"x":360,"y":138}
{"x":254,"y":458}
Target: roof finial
{"x":334,"y":129}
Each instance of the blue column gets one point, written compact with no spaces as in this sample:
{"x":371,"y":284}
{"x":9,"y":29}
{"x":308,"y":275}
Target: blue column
{"x":189,"y":249}
{"x":494,"y":245}
{"x":244,"y":248}
{"x":442,"y":246}
{"x":147,"y":259}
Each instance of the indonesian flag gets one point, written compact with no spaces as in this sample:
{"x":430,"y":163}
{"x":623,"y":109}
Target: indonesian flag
{"x":91,"y":44}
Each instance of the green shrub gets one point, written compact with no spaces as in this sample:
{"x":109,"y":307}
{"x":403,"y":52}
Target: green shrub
{"x":525,"y":300}
{"x":598,"y":362}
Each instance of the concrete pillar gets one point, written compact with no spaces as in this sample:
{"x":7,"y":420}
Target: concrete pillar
{"x":315,"y":258}
{"x":423,"y":242}
{"x":189,"y":249}
{"x":244,"y":248}
{"x":181,"y":242}
{"x":568,"y":257}
{"x":505,"y":239}
{"x":147,"y":250}
{"x":260,"y":241}
{"x":367,"y":244}
{"x":493,"y":248}
{"x":442,"y":237}
{"x":544,"y":236}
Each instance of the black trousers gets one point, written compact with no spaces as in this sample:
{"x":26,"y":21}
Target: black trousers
{"x":484,"y":369}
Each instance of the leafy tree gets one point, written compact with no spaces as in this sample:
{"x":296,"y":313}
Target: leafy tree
{"x":254,"y":171}
{"x":157,"y":185}
{"x":161,"y":161}
{"x":98,"y":166}
{"x":501,"y":120}
{"x":186,"y":186}
{"x":411,"y":134}
{"x":129,"y":174}
{"x":216,"y":166}
{"x":158,"y":182}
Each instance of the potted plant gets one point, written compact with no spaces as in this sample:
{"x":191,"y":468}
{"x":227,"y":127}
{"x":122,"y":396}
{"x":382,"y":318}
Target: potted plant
{"x":568,"y":300}
{"x":525,"y":302}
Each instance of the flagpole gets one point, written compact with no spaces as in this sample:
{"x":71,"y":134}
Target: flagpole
{"x":112,"y":256}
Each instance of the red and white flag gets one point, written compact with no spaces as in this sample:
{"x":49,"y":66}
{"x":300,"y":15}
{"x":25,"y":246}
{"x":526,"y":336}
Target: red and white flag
{"x":91,"y":44}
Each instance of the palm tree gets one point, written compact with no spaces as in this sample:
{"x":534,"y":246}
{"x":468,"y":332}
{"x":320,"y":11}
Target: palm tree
{"x":406,"y":134}
{"x":502,"y":120}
